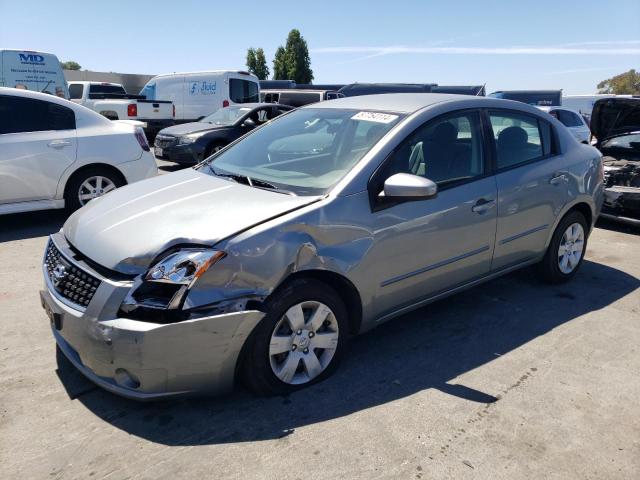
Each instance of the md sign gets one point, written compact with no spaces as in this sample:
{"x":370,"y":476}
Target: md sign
{"x":31,"y":58}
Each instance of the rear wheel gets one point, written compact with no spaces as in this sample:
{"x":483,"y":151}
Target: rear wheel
{"x":299,"y":342}
{"x":566,"y":250}
{"x":89,"y":184}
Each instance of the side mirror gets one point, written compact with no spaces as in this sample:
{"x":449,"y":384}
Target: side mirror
{"x":408,"y":186}
{"x":248,"y":123}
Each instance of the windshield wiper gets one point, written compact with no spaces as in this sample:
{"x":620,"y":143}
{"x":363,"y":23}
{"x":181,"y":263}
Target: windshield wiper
{"x":252,"y":182}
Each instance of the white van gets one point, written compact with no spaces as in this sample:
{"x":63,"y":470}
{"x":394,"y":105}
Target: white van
{"x":197,"y":94}
{"x":30,"y":70}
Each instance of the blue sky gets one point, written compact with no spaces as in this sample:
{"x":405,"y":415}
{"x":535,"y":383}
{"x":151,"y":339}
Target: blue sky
{"x":507,"y":45}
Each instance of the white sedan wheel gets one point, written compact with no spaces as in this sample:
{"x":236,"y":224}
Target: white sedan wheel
{"x":94,"y":187}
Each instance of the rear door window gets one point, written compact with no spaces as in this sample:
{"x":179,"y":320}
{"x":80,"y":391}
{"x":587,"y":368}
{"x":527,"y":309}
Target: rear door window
{"x":519,"y":138}
{"x":21,"y":115}
{"x":243,"y":91}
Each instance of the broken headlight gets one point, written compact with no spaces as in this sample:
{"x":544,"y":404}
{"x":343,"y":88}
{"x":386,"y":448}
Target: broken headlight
{"x":160,"y":292}
{"x":183,"y":267}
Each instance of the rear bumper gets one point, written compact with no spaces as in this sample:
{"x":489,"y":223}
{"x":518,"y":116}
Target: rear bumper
{"x":140,"y":169}
{"x":142,"y":360}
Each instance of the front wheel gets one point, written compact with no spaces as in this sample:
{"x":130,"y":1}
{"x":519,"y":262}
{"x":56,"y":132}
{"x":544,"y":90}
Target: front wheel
{"x":212,"y":149}
{"x":566,"y":250}
{"x":300,"y":340}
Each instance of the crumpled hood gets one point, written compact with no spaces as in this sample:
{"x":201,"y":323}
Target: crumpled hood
{"x":191,"y":127}
{"x":126,"y":229}
{"x":615,"y":116}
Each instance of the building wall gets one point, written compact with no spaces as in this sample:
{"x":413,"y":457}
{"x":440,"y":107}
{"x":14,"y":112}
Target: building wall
{"x":131,"y":82}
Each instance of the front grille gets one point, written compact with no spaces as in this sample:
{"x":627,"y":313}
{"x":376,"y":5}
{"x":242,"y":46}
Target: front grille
{"x":68,"y":280}
{"x":164,"y":141}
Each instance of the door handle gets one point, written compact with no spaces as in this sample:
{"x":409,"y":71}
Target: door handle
{"x":558,"y":178}
{"x":482,"y":206}
{"x":59,"y":143}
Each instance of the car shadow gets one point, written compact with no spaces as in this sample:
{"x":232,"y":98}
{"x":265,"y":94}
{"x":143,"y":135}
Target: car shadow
{"x":426,"y":349}
{"x":20,"y":226}
{"x":615,"y":226}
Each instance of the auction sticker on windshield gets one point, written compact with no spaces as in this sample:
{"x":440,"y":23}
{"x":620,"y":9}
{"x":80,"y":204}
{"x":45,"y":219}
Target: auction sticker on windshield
{"x":375,"y":117}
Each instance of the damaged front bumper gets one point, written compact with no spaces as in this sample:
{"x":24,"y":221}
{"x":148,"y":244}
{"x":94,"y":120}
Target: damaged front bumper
{"x":142,"y":360}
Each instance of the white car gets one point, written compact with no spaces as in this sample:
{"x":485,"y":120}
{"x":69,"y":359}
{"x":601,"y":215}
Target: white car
{"x":572,"y":120}
{"x":56,"y":154}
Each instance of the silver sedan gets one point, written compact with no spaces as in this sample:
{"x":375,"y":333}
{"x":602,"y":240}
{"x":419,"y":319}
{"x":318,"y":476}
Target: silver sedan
{"x":259,"y":263}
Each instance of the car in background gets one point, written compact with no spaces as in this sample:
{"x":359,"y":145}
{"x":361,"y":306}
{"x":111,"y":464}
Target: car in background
{"x":539,"y":98}
{"x":198,"y":94}
{"x":572,"y":120}
{"x":33,"y":71}
{"x":56,"y":154}
{"x":356,"y":89}
{"x":112,"y":101}
{"x":190,"y":143}
{"x":297,"y":98}
{"x":615,"y":123}
{"x":583,"y":104}
{"x":259,"y":263}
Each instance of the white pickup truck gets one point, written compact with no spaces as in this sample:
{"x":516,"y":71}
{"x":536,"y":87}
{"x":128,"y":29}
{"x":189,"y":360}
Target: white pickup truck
{"x":112,"y":101}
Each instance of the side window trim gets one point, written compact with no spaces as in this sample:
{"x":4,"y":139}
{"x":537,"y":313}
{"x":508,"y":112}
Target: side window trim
{"x":554,"y":144}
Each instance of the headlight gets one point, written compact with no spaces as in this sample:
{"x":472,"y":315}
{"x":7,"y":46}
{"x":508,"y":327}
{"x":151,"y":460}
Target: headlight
{"x":188,"y":139}
{"x":183,"y":267}
{"x":157,"y":296}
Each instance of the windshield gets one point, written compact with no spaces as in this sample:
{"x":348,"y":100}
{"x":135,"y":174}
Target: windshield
{"x":305,"y":152}
{"x":226,"y":116}
{"x":631,"y":142}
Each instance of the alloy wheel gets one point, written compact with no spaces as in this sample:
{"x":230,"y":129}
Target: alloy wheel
{"x":571,"y":248}
{"x":303,"y":342}
{"x":94,"y":187}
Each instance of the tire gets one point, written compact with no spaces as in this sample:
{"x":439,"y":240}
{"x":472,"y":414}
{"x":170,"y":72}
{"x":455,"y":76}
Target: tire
{"x":110,"y":180}
{"x":260,"y":362}
{"x":213,"y":148}
{"x":553,"y":268}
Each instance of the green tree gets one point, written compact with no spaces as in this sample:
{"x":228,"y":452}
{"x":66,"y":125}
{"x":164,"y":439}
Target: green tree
{"x":70,"y":65}
{"x":297,"y":58}
{"x":251,"y":60}
{"x":627,"y":83}
{"x":261,"y":69}
{"x":280,"y":70}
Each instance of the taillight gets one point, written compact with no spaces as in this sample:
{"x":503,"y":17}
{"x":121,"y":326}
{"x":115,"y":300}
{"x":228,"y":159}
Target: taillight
{"x":174,"y":111}
{"x":132,"y":110}
{"x":142,"y":138}
{"x":225,"y":103}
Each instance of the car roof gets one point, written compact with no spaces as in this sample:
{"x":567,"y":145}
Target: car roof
{"x":207,"y":72}
{"x":411,"y":102}
{"x":19,"y":92}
